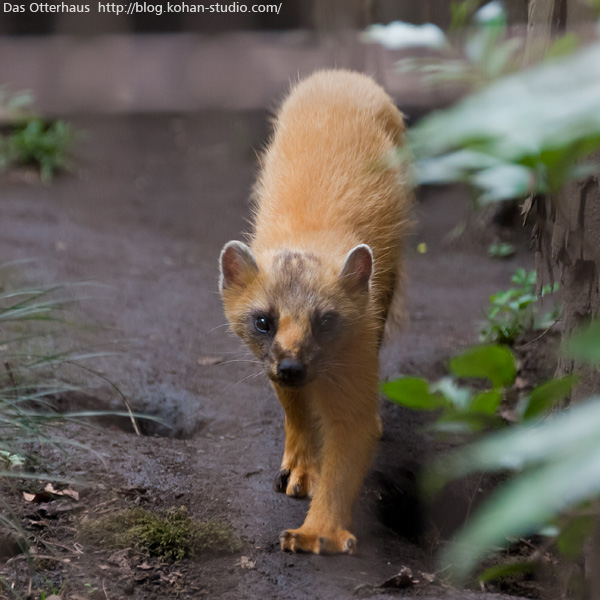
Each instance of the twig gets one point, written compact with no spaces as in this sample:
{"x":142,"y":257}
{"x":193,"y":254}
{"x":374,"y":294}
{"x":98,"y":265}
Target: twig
{"x":104,"y":590}
{"x":117,"y":389}
{"x":71,"y":550}
{"x":42,"y":556}
{"x":539,"y":337}
{"x":472,"y":499}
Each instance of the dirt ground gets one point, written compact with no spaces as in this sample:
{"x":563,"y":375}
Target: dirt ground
{"x":145,"y":212}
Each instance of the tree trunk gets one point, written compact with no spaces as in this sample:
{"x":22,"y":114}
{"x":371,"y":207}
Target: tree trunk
{"x":574,"y":247}
{"x":545,"y":19}
{"x":575,"y":234}
{"x":576,"y":251}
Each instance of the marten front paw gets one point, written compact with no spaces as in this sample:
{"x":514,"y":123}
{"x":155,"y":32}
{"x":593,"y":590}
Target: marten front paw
{"x":295,"y":482}
{"x":306,"y":539}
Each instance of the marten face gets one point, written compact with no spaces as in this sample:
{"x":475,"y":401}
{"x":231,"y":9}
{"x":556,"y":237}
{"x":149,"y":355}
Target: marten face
{"x":295,"y":310}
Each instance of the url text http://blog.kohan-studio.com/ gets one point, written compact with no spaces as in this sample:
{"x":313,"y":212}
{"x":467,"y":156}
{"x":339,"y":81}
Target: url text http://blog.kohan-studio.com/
{"x":130,"y":8}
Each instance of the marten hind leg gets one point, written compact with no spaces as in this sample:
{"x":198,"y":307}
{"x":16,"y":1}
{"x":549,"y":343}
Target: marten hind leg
{"x":300,"y":464}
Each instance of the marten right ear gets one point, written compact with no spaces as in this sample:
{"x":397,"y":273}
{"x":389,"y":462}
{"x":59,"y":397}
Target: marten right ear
{"x":238,"y":265}
{"x":358,"y":268}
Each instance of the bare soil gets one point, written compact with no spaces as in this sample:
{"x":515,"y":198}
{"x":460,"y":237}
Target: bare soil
{"x":145,"y":213}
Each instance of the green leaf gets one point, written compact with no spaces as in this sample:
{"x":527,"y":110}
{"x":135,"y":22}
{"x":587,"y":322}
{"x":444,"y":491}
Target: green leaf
{"x":544,"y":397}
{"x":503,"y":182}
{"x":461,"y":13}
{"x":501,"y":250}
{"x":412,"y":392}
{"x":523,"y":505}
{"x":458,"y":397}
{"x":566,"y":44}
{"x":544,"y":118}
{"x":522,"y":277}
{"x":522,"y":446}
{"x":501,"y":571}
{"x":464,"y":422}
{"x":585,"y":345}
{"x":495,"y":363}
{"x":486,"y":402}
{"x":573,"y":536}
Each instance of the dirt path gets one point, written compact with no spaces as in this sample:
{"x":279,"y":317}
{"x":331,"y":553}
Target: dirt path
{"x":150,"y":204}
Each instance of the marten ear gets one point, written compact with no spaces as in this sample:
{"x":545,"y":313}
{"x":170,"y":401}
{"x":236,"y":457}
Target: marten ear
{"x":238,"y":265}
{"x":358,"y":268}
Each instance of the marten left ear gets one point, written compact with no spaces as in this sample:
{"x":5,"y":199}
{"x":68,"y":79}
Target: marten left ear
{"x":358,"y":268}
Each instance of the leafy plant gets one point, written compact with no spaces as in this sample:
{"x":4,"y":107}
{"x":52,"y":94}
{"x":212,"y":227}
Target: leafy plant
{"x":41,"y":144}
{"x":523,"y":134}
{"x":53,"y":591}
{"x":501,"y":250}
{"x":484,"y":52}
{"x":31,"y":140}
{"x":515,"y":311}
{"x":468,"y":408}
{"x":556,"y":462}
{"x":37,"y":366}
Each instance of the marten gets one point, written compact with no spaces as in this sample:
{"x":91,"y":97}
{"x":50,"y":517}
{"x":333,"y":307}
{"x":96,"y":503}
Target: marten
{"x":311,"y":291}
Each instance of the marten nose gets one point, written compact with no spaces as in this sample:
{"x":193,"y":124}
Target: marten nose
{"x":291,"y":371}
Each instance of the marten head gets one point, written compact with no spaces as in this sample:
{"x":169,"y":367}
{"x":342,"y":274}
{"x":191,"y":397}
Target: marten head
{"x":295,"y":310}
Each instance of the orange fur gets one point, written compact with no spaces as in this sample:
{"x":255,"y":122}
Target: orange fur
{"x":322,"y":299}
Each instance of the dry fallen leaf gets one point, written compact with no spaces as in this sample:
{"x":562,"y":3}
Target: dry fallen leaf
{"x":66,"y":492}
{"x":246,"y":563}
{"x":402,"y":580}
{"x":38,"y":497}
{"x":428,"y":577}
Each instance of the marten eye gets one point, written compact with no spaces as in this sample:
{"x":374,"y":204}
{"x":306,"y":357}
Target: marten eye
{"x":326,"y":323}
{"x":263,"y":324}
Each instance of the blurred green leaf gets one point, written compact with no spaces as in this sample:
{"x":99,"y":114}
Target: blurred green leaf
{"x":495,"y":363}
{"x":491,"y":15}
{"x":499,"y":61}
{"x":458,"y":397}
{"x":572,"y":537}
{"x":486,"y":402}
{"x":501,"y":250}
{"x":502,"y":571}
{"x":503,"y":182}
{"x":585,"y":345}
{"x":544,"y":119}
{"x":464,"y":422}
{"x":461,"y":13}
{"x":544,"y":397}
{"x":521,"y":446}
{"x":412,"y":392}
{"x":524,"y":504}
{"x":566,"y":44}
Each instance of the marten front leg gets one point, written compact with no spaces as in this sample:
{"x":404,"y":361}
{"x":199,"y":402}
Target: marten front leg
{"x":351,"y":428}
{"x":300,"y":464}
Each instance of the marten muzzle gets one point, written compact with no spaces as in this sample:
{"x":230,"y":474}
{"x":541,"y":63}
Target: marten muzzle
{"x":291,"y":372}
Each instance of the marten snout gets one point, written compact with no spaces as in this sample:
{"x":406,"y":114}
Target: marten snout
{"x":291,"y":371}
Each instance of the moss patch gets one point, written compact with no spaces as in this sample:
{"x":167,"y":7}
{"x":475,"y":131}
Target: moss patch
{"x":171,"y":535}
